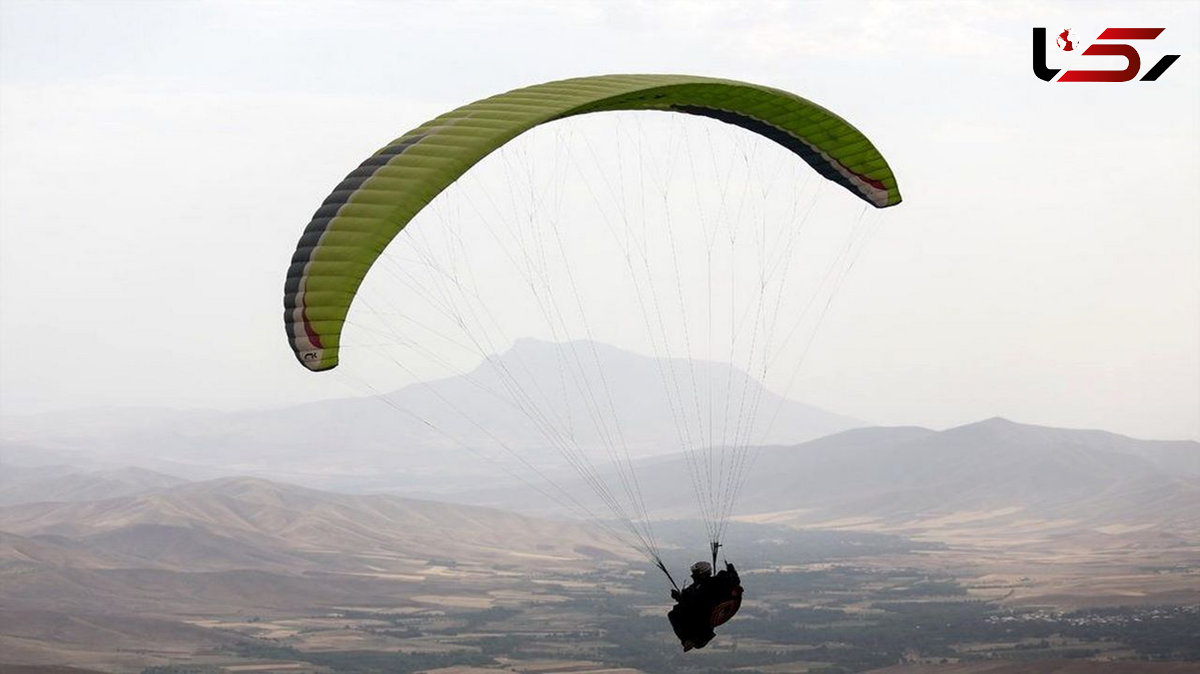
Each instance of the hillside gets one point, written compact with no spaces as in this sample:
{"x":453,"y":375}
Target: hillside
{"x":21,"y":484}
{"x":236,"y":523}
{"x":995,"y":476}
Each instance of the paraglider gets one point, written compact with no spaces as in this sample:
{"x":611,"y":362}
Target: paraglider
{"x":708,"y":602}
{"x":376,"y":201}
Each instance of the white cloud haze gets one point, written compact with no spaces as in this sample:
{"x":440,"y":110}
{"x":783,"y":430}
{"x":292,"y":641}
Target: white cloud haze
{"x":159,"y":160}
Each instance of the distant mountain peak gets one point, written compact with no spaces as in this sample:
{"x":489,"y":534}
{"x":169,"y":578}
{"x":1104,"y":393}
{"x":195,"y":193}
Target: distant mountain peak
{"x":430,"y":435}
{"x":1004,"y":426}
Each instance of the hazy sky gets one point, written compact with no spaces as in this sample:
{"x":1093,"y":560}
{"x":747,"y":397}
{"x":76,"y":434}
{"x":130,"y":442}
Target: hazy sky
{"x":159,"y":159}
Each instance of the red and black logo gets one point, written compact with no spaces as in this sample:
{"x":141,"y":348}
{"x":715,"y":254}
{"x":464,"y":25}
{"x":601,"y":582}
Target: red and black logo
{"x":1133,"y":61}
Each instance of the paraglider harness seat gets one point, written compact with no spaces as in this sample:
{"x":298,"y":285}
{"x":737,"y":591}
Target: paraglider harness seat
{"x":710,"y":601}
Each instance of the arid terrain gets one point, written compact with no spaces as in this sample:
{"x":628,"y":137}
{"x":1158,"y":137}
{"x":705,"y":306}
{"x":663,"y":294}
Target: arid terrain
{"x":135,"y":541}
{"x":245,"y":575}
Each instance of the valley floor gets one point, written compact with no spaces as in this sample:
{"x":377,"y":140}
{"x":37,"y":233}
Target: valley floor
{"x":892,"y":606}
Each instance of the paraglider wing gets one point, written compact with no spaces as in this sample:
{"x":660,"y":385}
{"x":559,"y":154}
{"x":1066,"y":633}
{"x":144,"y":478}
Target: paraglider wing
{"x":371,"y":205}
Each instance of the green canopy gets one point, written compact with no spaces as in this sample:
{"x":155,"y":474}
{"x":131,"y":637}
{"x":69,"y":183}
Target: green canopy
{"x":366,"y":210}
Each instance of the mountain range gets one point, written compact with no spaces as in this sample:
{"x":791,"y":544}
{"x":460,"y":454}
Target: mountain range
{"x":120,"y":528}
{"x":813,"y":468}
{"x":435,"y":436}
{"x":995,"y":476}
